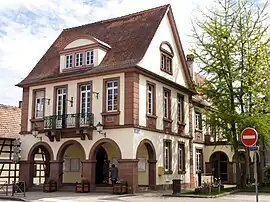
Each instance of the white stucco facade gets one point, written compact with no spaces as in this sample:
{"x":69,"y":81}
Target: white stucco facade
{"x":164,"y":33}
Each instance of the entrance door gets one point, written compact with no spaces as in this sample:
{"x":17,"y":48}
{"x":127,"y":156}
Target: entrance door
{"x":101,"y":157}
{"x":219,"y":163}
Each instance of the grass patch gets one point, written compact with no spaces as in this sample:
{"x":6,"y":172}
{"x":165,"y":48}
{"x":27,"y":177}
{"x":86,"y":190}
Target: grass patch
{"x":213,"y":193}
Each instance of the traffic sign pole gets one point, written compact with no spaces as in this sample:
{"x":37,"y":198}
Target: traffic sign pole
{"x":249,"y":137}
{"x":256,"y":175}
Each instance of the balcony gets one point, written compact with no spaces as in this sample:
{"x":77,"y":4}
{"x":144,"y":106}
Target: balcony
{"x":69,"y":125}
{"x":68,"y":121}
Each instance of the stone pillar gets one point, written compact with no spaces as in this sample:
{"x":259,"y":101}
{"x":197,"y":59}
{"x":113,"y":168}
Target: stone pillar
{"x":128,"y":171}
{"x":192,"y":182}
{"x":26,"y":173}
{"x":89,"y":171}
{"x":230,"y":172}
{"x":56,"y":171}
{"x":152,"y":173}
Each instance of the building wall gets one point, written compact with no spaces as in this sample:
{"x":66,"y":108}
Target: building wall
{"x":151,"y":60}
{"x":209,"y":150}
{"x":97,"y":104}
{"x":73,"y":151}
{"x":123,"y":137}
{"x":143,"y":176}
{"x":159,"y":104}
{"x":79,"y":42}
{"x":157,"y":140}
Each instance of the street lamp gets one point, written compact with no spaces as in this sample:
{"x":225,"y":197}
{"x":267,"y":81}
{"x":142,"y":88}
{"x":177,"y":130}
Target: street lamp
{"x":35,"y":132}
{"x":99,"y":128}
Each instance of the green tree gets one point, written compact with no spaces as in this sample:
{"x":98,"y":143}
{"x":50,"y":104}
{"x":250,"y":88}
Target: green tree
{"x":232,"y":50}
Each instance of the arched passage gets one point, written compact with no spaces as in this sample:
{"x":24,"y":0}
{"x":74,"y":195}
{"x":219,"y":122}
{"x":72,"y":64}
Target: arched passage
{"x":103,"y":154}
{"x":71,"y":154}
{"x":146,"y":155}
{"x":219,"y":164}
{"x":39,"y":157}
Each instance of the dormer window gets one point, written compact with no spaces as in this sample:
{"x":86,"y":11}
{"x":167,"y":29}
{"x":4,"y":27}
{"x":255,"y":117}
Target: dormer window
{"x":166,"y":57}
{"x":79,"y":59}
{"x":82,"y":53}
{"x":68,"y":61}
{"x":89,"y":57}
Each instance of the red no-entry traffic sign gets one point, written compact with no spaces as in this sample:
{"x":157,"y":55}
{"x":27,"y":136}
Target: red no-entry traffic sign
{"x":249,"y":137}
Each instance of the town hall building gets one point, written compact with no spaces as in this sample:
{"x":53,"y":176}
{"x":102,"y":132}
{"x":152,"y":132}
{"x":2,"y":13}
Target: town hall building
{"x":118,"y":91}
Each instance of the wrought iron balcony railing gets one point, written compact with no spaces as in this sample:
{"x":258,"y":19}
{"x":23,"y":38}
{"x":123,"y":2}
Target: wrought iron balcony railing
{"x":68,"y":121}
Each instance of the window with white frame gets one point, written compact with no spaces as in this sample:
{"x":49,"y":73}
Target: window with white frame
{"x":61,"y":102}
{"x":166,"y":104}
{"x":85,"y":99}
{"x":167,"y":156}
{"x":198,"y":121}
{"x":68,"y":61}
{"x":111,"y":96}
{"x":79,"y":59}
{"x":180,"y":108}
{"x":166,"y":57}
{"x":150,"y":99}
{"x":39,"y":104}
{"x":181,"y":157}
{"x":199,"y":162}
{"x":89,"y":57}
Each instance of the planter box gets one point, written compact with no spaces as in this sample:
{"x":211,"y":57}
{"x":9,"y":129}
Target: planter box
{"x":82,"y":187}
{"x":120,"y":188}
{"x":50,"y":186}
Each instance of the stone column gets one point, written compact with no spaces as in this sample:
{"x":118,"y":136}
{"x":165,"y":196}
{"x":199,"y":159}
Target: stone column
{"x":230,"y":172}
{"x":89,"y":171}
{"x":192,"y":180}
{"x":56,"y":171}
{"x":128,"y":171}
{"x":26,"y":173}
{"x":152,"y":173}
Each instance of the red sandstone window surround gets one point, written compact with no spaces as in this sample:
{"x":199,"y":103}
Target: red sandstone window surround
{"x":166,"y":60}
{"x":39,"y":103}
{"x":180,"y":108}
{"x":198,"y":120}
{"x":181,"y":157}
{"x":112,"y":96}
{"x":167,"y":104}
{"x":167,"y":156}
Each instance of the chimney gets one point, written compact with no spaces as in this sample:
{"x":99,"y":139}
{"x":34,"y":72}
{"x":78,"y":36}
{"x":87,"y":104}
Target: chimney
{"x":20,"y":104}
{"x":190,"y":60}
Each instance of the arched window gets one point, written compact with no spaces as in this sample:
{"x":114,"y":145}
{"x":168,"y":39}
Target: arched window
{"x":166,"y":57}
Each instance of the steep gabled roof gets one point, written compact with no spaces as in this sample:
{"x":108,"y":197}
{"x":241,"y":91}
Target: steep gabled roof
{"x":129,"y":36}
{"x":10,"y":120}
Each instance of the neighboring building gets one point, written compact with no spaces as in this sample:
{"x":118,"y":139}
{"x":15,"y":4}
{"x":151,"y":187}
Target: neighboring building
{"x":10,"y":119}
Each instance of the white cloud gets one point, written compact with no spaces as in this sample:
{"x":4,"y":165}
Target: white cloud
{"x":31,"y":26}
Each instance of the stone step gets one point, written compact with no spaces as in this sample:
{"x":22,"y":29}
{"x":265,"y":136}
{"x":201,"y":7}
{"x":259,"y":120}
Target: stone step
{"x":143,"y":189}
{"x":105,"y":189}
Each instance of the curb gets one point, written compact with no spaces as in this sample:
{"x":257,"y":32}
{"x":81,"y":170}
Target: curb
{"x":200,"y":196}
{"x":12,"y":198}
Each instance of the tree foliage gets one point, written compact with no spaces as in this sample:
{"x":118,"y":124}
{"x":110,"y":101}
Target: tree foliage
{"x":232,"y":48}
{"x":233,"y":51}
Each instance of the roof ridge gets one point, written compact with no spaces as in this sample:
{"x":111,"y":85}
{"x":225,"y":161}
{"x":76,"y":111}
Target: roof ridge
{"x":120,"y":17}
{"x":9,"y":106}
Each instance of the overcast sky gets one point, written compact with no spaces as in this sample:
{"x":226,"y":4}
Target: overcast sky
{"x":29,"y":27}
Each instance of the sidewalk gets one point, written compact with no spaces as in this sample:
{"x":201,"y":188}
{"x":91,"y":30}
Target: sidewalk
{"x":91,"y":196}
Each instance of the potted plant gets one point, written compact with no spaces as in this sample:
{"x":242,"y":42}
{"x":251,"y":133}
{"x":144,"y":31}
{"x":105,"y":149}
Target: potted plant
{"x":50,"y":185}
{"x":120,"y":187}
{"x":83,"y":186}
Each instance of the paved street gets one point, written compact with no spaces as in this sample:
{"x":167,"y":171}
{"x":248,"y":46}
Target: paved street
{"x":149,"y":197}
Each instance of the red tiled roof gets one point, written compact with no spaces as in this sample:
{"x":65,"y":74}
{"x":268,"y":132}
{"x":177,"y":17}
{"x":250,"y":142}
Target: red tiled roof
{"x":10,"y":121}
{"x":129,"y":37}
